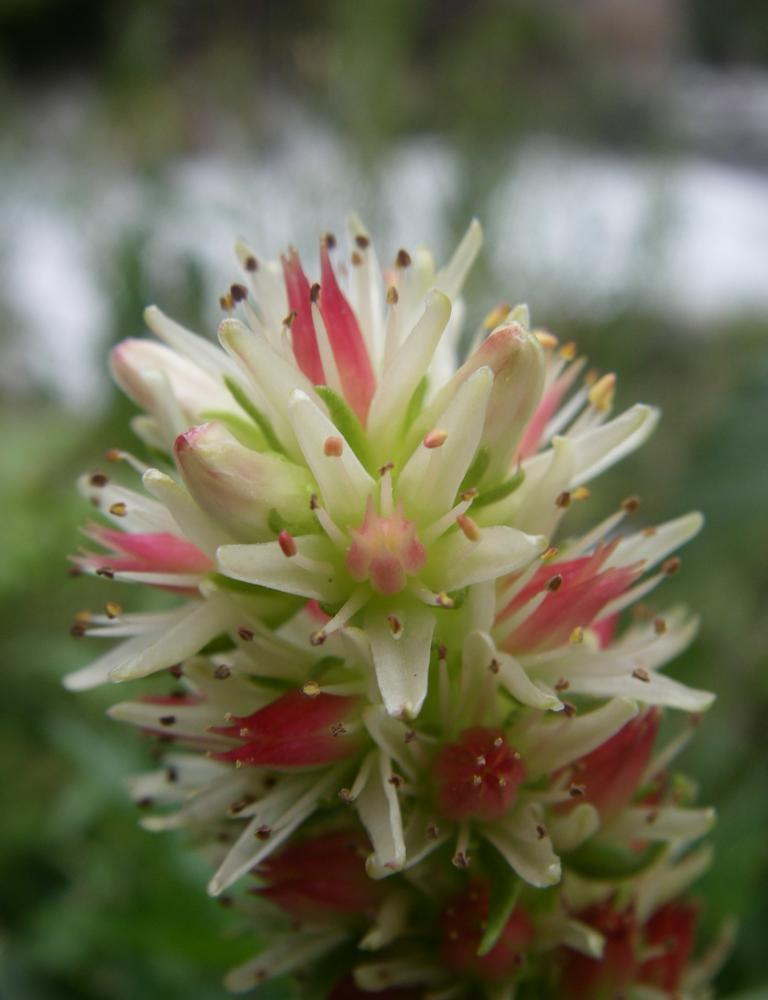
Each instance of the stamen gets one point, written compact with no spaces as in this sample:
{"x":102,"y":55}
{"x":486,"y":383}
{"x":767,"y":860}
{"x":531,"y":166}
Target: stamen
{"x":246,"y":634}
{"x":333,"y":447}
{"x":287,"y":544}
{"x":311,"y":689}
{"x":251,"y":264}
{"x":577,"y":636}
{"x":468,"y":527}
{"x":403,"y":259}
{"x":436,"y":438}
{"x":641,"y":674}
{"x":563,"y":500}
{"x":113,"y":609}
{"x":395,"y":626}
{"x":602,"y":392}
{"x":239,"y":293}
{"x":119,"y":509}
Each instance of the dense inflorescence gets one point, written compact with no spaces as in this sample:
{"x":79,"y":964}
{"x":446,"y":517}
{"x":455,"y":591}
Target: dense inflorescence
{"x":408,"y":716}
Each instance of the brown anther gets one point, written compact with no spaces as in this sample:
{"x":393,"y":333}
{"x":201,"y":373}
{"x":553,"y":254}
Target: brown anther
{"x":288,"y":320}
{"x":74,"y":571}
{"x":238,"y":292}
{"x":395,"y":625}
{"x":671,"y":566}
{"x":563,"y":499}
{"x":469,"y":494}
{"x":251,"y":264}
{"x":221,"y":672}
{"x":113,"y":455}
{"x":112,"y":609}
{"x":650,"y":531}
{"x":356,"y":259}
{"x":442,"y":651}
{"x":226,"y":303}
{"x":460,"y":859}
{"x":314,"y":292}
{"x":393,"y":296}
{"x":554,"y":583}
{"x":468,"y":527}
{"x":287,"y":544}
{"x":435,"y":438}
{"x":314,"y":502}
{"x":494,"y":666}
{"x":317,"y":638}
{"x":167,"y":720}
{"x":77,"y":630}
{"x":541,"y":831}
{"x":630,"y":505}
{"x":432,"y":831}
{"x":246,"y":634}
{"x":171,"y":775}
{"x":311,"y":689}
{"x":362,"y":241}
{"x":106,"y":572}
{"x":395,"y":780}
{"x":145,"y":802}
{"x":652,"y":816}
{"x":562,"y":684}
{"x":403,"y":259}
{"x":659,"y":626}
{"x":263,"y":833}
{"x":333,"y":447}
{"x":119,"y":509}
{"x":641,"y":674}
{"x":569,"y":709}
{"x":577,"y":791}
{"x":99,"y":479}
{"x":330,"y":241}
{"x":338,"y":729}
{"x":385,"y":468}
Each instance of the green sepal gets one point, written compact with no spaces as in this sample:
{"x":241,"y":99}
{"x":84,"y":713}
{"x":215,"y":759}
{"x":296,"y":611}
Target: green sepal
{"x":505,"y":891}
{"x":476,"y":469}
{"x":604,"y":862}
{"x":346,"y":421}
{"x":246,"y":432}
{"x":260,"y":419}
{"x":501,"y":491}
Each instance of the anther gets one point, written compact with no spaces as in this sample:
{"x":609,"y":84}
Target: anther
{"x":317,"y":638}
{"x":554,"y":583}
{"x":498,"y":742}
{"x":251,"y":264}
{"x":568,"y":351}
{"x":480,"y":761}
{"x":356,"y":258}
{"x":395,"y":625}
{"x":563,"y":499}
{"x":469,"y":494}
{"x":221,"y":672}
{"x":602,"y":392}
{"x":167,"y":720}
{"x":314,"y":293}
{"x":330,"y":240}
{"x":99,"y":479}
{"x":444,"y":601}
{"x":118,"y":509}
{"x":671,"y":566}
{"x":345,"y":794}
{"x":477,"y":780}
{"x":288,"y":320}
{"x":496,"y":316}
{"x":641,"y":674}
{"x":77,"y":630}
{"x":432,"y":831}
{"x":395,"y":780}
{"x":547,"y":340}
{"x":469,"y":527}
{"x":460,"y":859}
{"x":287,"y":544}
{"x":580,"y":493}
{"x":314,"y":502}
{"x":436,"y":438}
{"x":311,"y":689}
{"x":393,"y":296}
{"x":176,"y":670}
{"x":263,"y":833}
{"x":549,"y":554}
{"x":410,"y":735}
{"x":659,"y":626}
{"x":630,"y":505}
{"x":403,"y":259}
{"x":562,"y":684}
{"x":362,"y":241}
{"x":333,"y":447}
{"x":246,"y":634}
{"x":569,"y":709}
{"x":385,"y":468}
{"x":113,"y":455}
{"x":577,"y":636}
{"x":106,"y":572}
{"x":650,"y":531}
{"x":113,"y":609}
{"x":494,"y":666}
{"x":541,"y":831}
{"x":238,"y":292}
{"x":576,"y":791}
{"x":338,"y":729}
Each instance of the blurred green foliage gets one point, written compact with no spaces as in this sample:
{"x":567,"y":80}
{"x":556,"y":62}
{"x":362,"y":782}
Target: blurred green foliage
{"x":93,"y":907}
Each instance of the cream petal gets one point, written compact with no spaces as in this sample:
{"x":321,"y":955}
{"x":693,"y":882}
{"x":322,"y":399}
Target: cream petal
{"x":518,"y":839}
{"x":379,"y":811}
{"x":266,"y":565}
{"x":401,"y":662}
{"x":458,"y":562}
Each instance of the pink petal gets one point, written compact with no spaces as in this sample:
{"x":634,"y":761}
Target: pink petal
{"x":303,"y":335}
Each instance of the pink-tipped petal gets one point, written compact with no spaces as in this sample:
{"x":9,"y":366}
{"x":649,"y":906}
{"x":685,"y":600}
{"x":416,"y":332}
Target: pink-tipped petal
{"x":303,"y":335}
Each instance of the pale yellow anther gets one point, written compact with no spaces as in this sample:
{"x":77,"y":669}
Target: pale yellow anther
{"x":311,"y":689}
{"x":119,"y":509}
{"x":113,"y":609}
{"x":576,"y":636}
{"x":568,"y":351}
{"x":547,"y":340}
{"x":549,"y":554}
{"x":496,"y":316}
{"x":602,"y":392}
{"x":580,"y":493}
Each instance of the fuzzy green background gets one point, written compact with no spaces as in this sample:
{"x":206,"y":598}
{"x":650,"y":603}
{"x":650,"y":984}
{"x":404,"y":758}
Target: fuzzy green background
{"x":96,"y":95}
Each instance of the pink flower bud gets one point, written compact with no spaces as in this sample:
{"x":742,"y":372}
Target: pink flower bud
{"x":240,"y":487}
{"x":296,"y":730}
{"x":462,"y":924}
{"x":322,"y":877}
{"x":478,"y":776}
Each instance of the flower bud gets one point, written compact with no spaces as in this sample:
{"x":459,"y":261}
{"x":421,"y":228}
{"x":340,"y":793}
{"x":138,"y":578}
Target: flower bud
{"x":244,"y":490}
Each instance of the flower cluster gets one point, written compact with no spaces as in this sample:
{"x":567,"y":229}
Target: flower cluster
{"x":410,"y":719}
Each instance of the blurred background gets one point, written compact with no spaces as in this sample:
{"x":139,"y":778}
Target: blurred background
{"x":616,"y":152}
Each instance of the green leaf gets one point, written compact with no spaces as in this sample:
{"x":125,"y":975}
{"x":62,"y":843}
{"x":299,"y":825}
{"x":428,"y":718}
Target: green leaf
{"x":505,"y":889}
{"x":346,"y":421}
{"x":501,"y":491}
{"x":260,"y":419}
{"x":601,"y":861}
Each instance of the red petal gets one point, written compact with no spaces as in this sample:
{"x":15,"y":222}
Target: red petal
{"x":303,"y":335}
